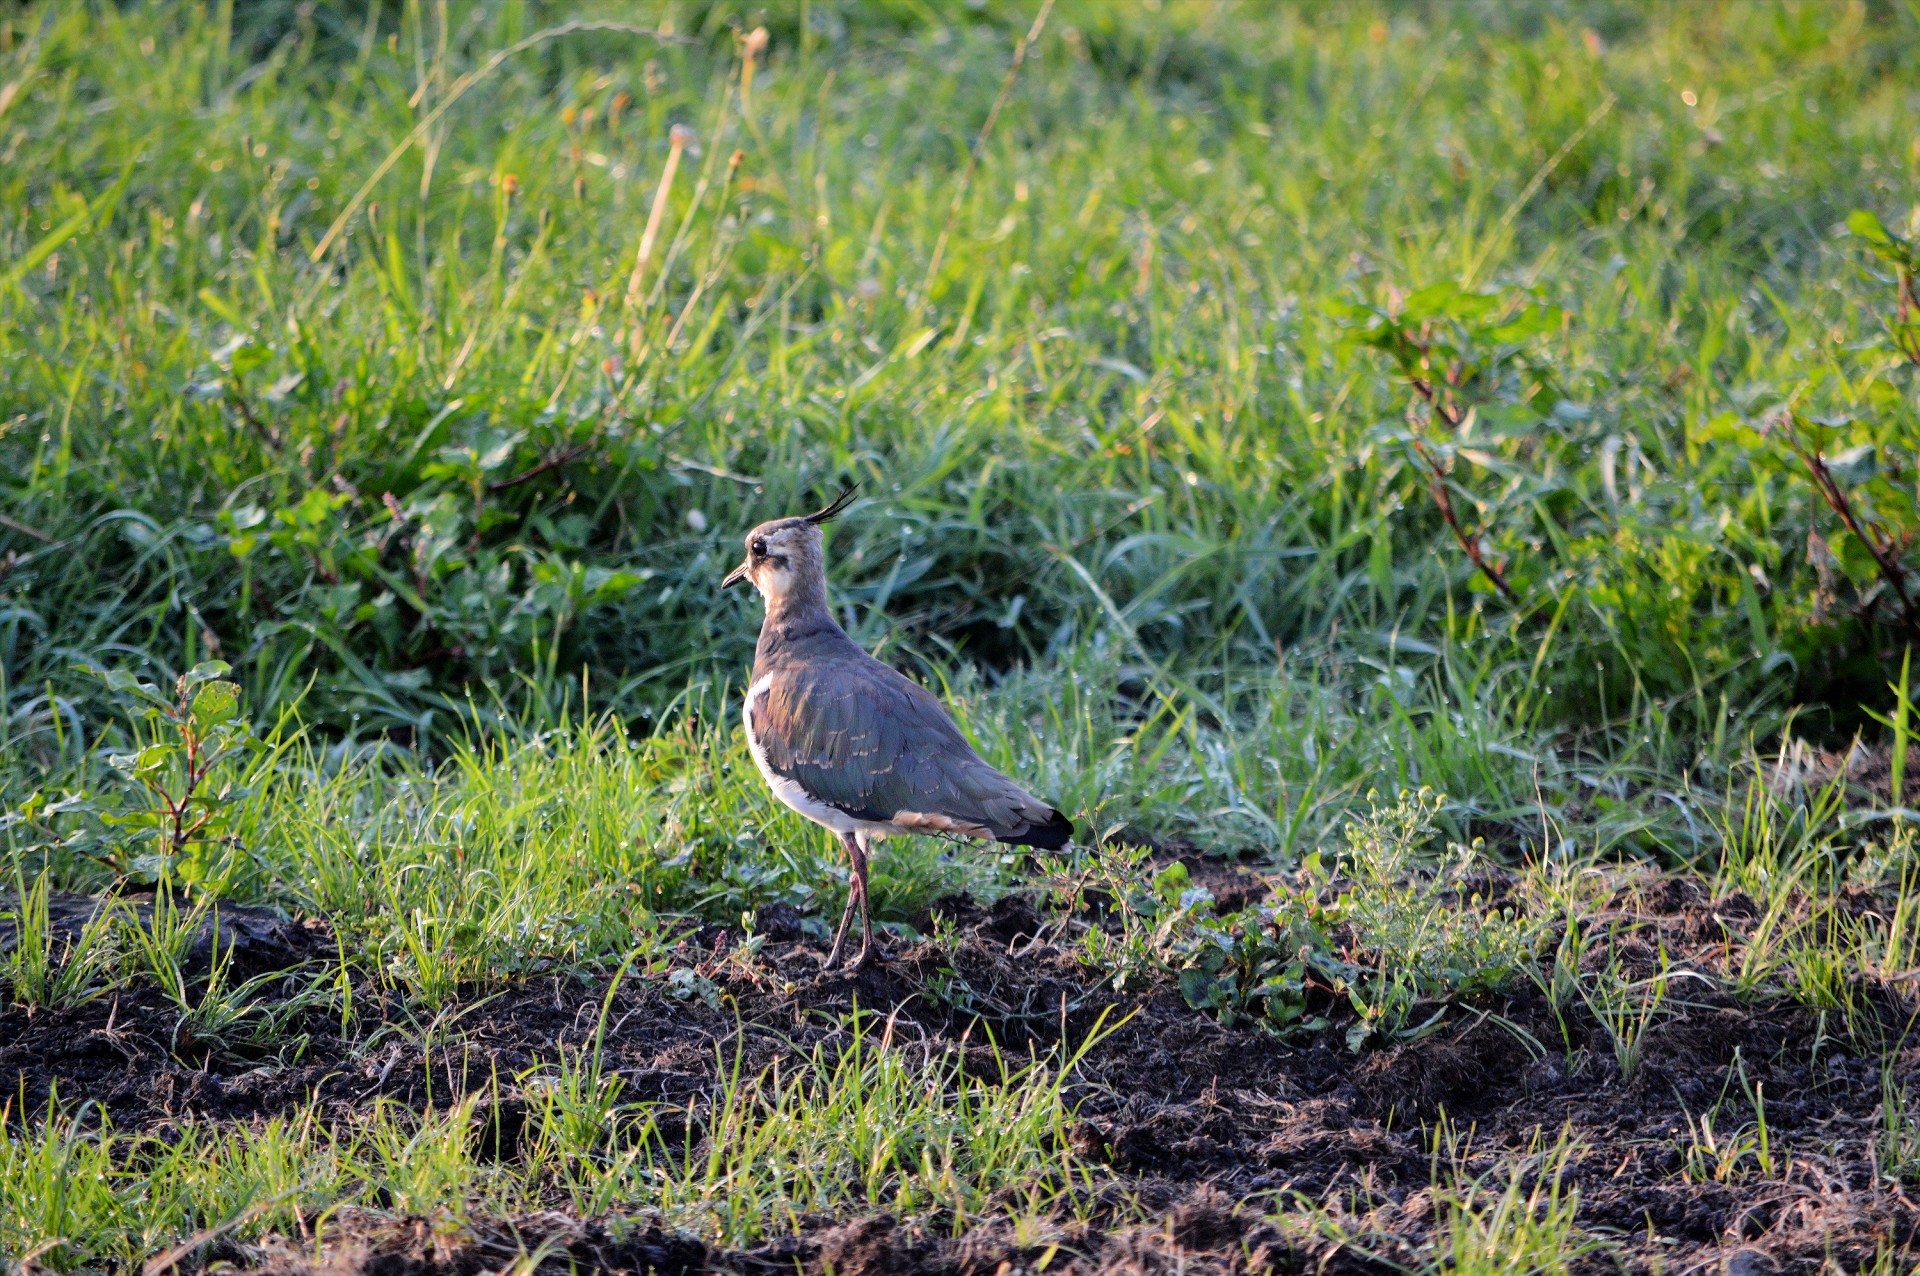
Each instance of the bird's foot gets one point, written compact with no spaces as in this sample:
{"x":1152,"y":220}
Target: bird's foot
{"x":871,"y":954}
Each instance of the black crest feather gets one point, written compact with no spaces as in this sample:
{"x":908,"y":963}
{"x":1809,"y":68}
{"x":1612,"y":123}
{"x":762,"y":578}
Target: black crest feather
{"x":839,"y":503}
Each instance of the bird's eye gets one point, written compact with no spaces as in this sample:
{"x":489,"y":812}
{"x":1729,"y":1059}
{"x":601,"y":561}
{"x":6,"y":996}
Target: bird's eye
{"x":759,"y":548}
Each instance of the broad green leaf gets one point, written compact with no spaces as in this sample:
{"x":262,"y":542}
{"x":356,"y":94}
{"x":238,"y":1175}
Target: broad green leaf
{"x":250,"y":355}
{"x":1868,"y":227}
{"x":1170,"y":881}
{"x":1855,"y":559}
{"x":1885,"y":245}
{"x":214,"y":704}
{"x":1198,"y":987}
{"x":1534,"y":321}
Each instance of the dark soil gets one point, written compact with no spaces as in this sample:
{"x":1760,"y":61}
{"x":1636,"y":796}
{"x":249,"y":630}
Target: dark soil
{"x":1198,"y":1125}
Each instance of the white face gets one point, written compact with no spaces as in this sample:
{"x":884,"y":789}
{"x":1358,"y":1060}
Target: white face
{"x":771,"y":559}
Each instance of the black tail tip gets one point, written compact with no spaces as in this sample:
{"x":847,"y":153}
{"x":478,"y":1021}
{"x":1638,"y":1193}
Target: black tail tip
{"x":1051,"y":836}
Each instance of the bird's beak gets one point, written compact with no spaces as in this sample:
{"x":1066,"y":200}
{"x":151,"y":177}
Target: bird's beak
{"x":734,"y":577}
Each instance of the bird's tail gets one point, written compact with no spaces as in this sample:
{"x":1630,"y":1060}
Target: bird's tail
{"x":1049,"y":834}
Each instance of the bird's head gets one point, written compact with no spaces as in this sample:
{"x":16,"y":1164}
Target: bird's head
{"x":784,"y":557}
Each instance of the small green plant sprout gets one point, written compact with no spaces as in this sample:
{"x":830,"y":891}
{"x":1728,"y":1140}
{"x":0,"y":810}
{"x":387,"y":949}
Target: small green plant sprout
{"x":217,"y":1018}
{"x":1560,"y":981}
{"x":1821,"y":956}
{"x":1628,"y":1008}
{"x":1711,"y":1154}
{"x":1142,"y":919}
{"x":1899,"y":724}
{"x":1708,"y":1156}
{"x":235,"y":1022}
{"x":180,"y":770}
{"x":578,"y":1120}
{"x":1897,"y":1147}
{"x":158,"y":943}
{"x":1888,"y":937}
{"x":1416,"y":919}
{"x":1259,"y":965}
{"x":38,"y":967}
{"x":1253,"y":966}
{"x":1516,"y":1219}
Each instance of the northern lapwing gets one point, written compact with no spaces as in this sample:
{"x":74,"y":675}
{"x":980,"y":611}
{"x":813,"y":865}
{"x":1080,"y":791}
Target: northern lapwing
{"x":852,"y":744}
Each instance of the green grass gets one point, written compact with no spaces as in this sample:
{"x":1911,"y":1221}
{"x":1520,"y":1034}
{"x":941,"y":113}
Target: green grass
{"x":1138,"y":302}
{"x":871,"y":1123}
{"x":324,"y":353}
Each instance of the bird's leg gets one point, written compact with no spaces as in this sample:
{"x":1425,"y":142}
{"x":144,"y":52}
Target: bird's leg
{"x":867,"y":949}
{"x":855,"y":889}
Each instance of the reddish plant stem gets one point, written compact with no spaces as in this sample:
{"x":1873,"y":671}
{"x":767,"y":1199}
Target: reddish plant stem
{"x":553,"y":462}
{"x":1908,"y":302}
{"x":268,"y":435}
{"x":1869,"y":533}
{"x":1443,"y":406}
{"x":1437,"y":484}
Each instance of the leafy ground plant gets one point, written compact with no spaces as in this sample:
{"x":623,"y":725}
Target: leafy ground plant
{"x":194,"y":755}
{"x":1393,"y":933}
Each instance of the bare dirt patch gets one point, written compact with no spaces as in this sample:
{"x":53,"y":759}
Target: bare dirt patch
{"x":1199,"y":1127}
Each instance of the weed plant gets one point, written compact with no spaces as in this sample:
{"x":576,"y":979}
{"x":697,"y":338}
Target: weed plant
{"x":1391,"y":934}
{"x":1515,"y":1219}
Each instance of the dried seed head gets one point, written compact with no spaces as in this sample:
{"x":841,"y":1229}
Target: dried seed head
{"x":510,"y":184}
{"x":681,"y":137}
{"x":755,"y":42}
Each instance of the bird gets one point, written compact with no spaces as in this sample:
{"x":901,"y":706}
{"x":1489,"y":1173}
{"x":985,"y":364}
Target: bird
{"x":853,"y":744}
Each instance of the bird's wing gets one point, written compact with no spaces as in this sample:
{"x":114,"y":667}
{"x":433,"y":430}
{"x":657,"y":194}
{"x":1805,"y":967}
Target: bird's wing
{"x":866,"y":740}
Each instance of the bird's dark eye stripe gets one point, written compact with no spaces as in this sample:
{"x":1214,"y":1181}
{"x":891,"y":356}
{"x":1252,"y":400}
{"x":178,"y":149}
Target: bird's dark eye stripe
{"x":759,"y":547}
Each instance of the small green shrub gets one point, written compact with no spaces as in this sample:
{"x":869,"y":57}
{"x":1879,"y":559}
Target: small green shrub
{"x":194,"y":759}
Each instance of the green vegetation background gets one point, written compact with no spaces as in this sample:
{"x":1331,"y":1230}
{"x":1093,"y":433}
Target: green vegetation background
{"x":1256,"y":407}
{"x":328,"y":353}
{"x":1101,"y":384}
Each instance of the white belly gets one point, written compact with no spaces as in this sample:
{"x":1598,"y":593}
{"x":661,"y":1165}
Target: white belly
{"x":792,"y":794}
